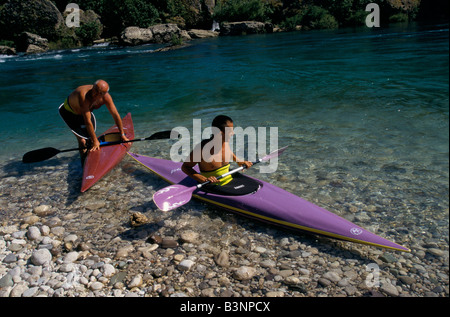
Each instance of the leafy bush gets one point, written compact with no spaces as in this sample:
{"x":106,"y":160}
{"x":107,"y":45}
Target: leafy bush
{"x":318,"y":18}
{"x":399,"y":17}
{"x":242,"y":10}
{"x":89,"y":32}
{"x":290,"y":24}
{"x":118,"y":14}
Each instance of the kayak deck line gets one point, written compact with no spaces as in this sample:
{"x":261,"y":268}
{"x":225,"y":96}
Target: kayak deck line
{"x":280,"y":222}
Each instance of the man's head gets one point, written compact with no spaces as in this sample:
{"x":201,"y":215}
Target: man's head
{"x":100,"y":87}
{"x":225,"y":125}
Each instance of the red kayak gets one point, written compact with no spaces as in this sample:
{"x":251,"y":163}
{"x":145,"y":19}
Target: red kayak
{"x":100,"y":162}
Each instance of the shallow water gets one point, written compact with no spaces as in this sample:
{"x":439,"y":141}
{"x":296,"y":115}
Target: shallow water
{"x":364,"y":112}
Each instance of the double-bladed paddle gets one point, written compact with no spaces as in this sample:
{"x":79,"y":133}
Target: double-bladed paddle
{"x":48,"y":152}
{"x":174,"y":196}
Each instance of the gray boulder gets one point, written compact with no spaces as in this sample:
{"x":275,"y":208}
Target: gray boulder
{"x":161,"y":33}
{"x":245,"y":27}
{"x":31,"y":43}
{"x":6,"y":50}
{"x":134,"y":35}
{"x":35,"y":16}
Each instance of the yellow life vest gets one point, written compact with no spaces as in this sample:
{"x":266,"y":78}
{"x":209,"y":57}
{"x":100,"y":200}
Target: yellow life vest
{"x":67,"y":106}
{"x":218,"y":172}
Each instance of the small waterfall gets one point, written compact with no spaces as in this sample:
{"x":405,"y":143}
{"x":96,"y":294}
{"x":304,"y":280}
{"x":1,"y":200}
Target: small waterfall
{"x":215,"y":26}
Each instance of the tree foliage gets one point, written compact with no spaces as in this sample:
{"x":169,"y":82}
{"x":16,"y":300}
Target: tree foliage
{"x":116,"y":15}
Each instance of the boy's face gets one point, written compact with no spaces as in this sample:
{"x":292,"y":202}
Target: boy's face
{"x":229,"y":131}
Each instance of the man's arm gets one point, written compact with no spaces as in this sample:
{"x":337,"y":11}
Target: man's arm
{"x":188,"y":169}
{"x":115,"y":114}
{"x":241,"y":162}
{"x":90,"y":129}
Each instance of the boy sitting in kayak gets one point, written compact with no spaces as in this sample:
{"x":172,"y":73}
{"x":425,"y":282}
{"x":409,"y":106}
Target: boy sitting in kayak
{"x":215,"y":155}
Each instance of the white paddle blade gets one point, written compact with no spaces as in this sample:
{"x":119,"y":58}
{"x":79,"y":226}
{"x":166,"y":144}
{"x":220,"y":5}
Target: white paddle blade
{"x":274,"y":154}
{"x":172,"y":197}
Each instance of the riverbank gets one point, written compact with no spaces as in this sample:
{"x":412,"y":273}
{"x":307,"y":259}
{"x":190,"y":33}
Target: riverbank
{"x":111,"y":241}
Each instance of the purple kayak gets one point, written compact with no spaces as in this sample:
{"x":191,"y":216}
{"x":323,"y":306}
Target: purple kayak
{"x":273,"y":205}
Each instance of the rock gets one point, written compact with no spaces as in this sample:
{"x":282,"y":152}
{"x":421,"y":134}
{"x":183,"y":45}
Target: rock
{"x":186,"y":265}
{"x":31,"y":292}
{"x":268,"y":263}
{"x":34,"y":233}
{"x":6,"y":50}
{"x":292,"y":280}
{"x":244,"y":273}
{"x":389,"y":289}
{"x":222,"y":259}
{"x":165,"y":33}
{"x":138,"y":219}
{"x":436,"y":252}
{"x":67,"y":267}
{"x":275,"y":294}
{"x":155,"y":238}
{"x":18,"y":290}
{"x":160,"y":33}
{"x":324,"y":282}
{"x":407,"y":280}
{"x":31,"y":43}
{"x":108,"y":270}
{"x":6,"y":281}
{"x":41,"y":257}
{"x":71,"y":257}
{"x":388,"y":258}
{"x":134,"y":35}
{"x":332,"y":276}
{"x":42,"y":210}
{"x":285,"y":273}
{"x":137,"y":281}
{"x":30,"y":220}
{"x":123,"y":251}
{"x":245,"y":27}
{"x":169,"y":243}
{"x":38,"y":16}
{"x":96,"y":286}
{"x":71,"y":238}
{"x":200,"y":34}
{"x":118,"y":278}
{"x":189,"y":236}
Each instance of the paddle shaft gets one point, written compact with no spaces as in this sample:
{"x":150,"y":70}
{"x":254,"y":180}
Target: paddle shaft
{"x":229,"y":173}
{"x":102,"y":144}
{"x":46,"y":153}
{"x":265,"y":158}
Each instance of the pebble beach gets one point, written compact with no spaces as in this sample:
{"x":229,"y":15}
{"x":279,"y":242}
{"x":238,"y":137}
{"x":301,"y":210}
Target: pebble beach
{"x":113,"y":242}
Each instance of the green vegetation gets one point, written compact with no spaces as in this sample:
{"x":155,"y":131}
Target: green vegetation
{"x":288,"y":14}
{"x":108,"y":18}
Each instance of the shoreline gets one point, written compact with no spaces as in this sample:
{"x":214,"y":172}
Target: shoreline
{"x":194,"y":35}
{"x":56,"y":242}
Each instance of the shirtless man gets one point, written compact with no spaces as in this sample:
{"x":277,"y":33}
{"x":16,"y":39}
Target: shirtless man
{"x":213,"y":162}
{"x":77,"y":113}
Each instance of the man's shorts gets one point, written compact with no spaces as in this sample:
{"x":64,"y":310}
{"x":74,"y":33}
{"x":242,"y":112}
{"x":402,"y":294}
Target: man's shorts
{"x":76,"y":122}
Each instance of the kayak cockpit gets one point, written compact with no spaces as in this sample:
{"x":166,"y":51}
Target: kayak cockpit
{"x":110,"y":137}
{"x":240,"y":185}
